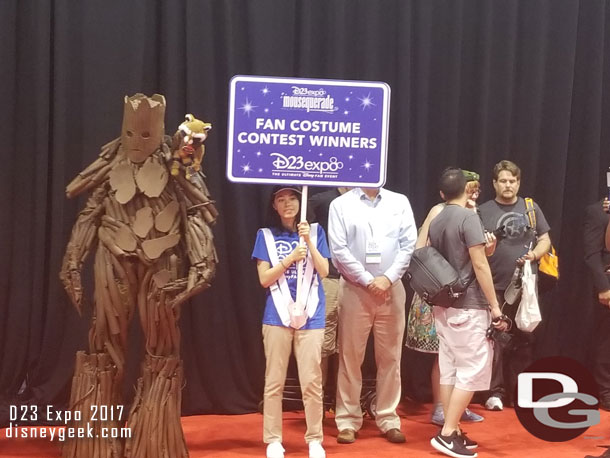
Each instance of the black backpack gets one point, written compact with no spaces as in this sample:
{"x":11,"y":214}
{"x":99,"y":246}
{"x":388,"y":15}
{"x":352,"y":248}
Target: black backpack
{"x":434,"y":279}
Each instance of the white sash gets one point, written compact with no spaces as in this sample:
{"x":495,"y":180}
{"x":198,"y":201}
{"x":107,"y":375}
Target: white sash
{"x":282,"y":299}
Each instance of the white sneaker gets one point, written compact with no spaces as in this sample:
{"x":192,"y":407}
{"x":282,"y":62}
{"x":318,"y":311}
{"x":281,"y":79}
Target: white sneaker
{"x":275,"y":450}
{"x":494,"y":403}
{"x":316,"y":450}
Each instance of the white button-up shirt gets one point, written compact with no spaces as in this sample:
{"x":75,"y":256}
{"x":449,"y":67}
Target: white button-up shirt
{"x":354,"y":219}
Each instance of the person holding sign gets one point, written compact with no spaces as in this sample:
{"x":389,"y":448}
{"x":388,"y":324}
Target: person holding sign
{"x":372,"y":236}
{"x":290,"y":319}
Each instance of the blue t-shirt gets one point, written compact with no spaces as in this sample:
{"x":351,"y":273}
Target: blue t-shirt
{"x":285,"y":243}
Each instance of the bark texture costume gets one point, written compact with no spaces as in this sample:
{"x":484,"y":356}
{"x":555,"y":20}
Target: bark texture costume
{"x":148,"y":219}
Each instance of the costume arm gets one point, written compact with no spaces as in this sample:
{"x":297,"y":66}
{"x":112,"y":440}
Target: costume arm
{"x":84,"y":234}
{"x":97,"y":172}
{"x":199,"y":198}
{"x":202,"y":258}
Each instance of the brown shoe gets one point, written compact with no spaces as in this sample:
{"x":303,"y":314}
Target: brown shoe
{"x":346,"y":436}
{"x":395,"y":436}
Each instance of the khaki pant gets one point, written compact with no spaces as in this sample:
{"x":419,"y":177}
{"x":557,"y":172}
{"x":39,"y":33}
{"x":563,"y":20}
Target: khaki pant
{"x":331,"y":290}
{"x":278,"y":342}
{"x":359,"y":313}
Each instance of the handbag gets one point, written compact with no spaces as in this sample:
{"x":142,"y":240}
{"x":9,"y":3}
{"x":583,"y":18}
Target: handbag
{"x":434,"y":279}
{"x":528,"y":314}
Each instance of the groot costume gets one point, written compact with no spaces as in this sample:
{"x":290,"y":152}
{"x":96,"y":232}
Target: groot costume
{"x":154,"y":250}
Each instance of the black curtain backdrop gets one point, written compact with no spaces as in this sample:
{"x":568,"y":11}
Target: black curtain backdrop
{"x":472,"y":82}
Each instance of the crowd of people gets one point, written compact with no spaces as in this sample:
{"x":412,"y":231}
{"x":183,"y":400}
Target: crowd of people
{"x":327,"y":310}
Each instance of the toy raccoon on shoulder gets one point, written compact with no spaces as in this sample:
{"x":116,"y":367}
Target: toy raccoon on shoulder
{"x":187,"y":146}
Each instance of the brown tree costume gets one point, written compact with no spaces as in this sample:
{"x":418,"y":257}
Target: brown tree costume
{"x":154,"y":250}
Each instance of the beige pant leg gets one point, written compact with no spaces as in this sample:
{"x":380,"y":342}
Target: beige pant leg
{"x":356,"y":314}
{"x":308,"y":351}
{"x":277,"y":341}
{"x":331,"y":290}
{"x":388,"y":330}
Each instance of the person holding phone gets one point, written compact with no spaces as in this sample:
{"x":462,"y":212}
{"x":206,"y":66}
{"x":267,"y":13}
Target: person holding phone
{"x":517,"y":243}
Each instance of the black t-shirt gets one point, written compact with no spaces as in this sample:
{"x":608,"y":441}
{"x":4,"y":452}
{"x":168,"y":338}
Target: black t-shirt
{"x":317,"y":212}
{"x":518,"y":235}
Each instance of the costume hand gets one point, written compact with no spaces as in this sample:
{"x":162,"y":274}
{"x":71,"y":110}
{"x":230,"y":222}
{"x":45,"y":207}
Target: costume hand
{"x":73,"y":286}
{"x":490,"y":243}
{"x":199,"y":278}
{"x":604,"y":298}
{"x":297,"y":254}
{"x":303,"y":228}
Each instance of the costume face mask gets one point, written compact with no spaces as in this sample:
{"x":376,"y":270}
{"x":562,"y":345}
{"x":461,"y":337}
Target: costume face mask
{"x":143,"y":126}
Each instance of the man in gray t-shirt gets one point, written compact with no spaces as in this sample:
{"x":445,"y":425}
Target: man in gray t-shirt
{"x":452,"y":233}
{"x":465,"y":353}
{"x":518,"y":242}
{"x":516,"y":236}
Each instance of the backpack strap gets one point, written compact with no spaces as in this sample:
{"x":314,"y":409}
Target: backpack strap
{"x":530,"y":211}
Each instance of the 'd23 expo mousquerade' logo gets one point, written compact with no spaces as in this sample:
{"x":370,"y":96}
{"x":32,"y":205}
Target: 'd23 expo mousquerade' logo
{"x":556,"y":399}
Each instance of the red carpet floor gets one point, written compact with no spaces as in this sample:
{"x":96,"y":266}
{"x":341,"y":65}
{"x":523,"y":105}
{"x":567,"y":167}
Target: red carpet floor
{"x":219,"y":436}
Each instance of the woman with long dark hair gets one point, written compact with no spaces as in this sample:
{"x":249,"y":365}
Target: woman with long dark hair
{"x":290,"y":320}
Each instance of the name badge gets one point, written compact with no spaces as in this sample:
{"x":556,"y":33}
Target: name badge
{"x":373,"y":252}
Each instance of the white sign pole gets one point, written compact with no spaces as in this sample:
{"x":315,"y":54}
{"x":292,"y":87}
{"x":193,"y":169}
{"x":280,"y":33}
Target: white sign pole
{"x":300,"y":308}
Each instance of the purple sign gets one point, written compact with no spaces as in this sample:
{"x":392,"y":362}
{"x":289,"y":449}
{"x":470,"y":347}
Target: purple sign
{"x":308,"y":131}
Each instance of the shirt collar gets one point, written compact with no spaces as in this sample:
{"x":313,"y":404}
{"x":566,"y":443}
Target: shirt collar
{"x":362,"y":195}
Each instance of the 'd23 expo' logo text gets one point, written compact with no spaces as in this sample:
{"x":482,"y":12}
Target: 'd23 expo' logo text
{"x":297,"y":163}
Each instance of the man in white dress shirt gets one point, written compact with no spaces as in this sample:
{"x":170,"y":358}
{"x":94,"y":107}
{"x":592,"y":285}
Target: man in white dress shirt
{"x":372,"y":235}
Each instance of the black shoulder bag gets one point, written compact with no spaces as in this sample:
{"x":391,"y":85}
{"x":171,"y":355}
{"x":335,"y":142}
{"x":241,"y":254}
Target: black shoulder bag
{"x":434,"y":279}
